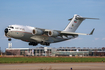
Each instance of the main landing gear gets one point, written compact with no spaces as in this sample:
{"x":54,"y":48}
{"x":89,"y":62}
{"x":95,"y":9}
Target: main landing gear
{"x":45,"y":43}
{"x":42,"y":43}
{"x":33,"y":43}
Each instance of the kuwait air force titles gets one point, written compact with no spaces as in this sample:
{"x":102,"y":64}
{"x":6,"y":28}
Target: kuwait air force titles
{"x":41,"y":36}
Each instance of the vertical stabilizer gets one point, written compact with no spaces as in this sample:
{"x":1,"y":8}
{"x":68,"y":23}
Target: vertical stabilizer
{"x":75,"y":22}
{"x":73,"y":25}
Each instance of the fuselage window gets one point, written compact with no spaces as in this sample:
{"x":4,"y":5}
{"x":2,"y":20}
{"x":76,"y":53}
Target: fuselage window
{"x":16,"y":28}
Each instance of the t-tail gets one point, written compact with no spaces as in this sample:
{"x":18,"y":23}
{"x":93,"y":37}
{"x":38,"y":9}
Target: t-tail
{"x":75,"y":22}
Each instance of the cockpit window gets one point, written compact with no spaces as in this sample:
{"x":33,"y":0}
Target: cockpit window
{"x":11,"y":27}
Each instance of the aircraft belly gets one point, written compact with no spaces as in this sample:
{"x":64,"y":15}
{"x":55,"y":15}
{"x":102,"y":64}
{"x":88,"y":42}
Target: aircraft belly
{"x":16,"y":35}
{"x":40,"y":38}
{"x":58,"y":39}
{"x":27,"y":38}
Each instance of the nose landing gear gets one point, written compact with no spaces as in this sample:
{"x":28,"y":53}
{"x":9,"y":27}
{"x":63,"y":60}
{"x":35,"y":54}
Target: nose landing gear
{"x":9,"y":39}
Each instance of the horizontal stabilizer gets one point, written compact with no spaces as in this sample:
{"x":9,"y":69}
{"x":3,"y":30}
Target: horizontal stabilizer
{"x":70,"y":19}
{"x":83,"y":18}
{"x":87,"y":18}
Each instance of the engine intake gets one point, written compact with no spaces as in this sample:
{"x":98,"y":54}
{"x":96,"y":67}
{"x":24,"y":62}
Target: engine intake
{"x":37,"y":32}
{"x":53,"y":33}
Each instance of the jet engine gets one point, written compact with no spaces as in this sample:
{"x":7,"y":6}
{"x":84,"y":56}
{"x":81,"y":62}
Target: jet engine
{"x":53,"y":33}
{"x":37,"y":32}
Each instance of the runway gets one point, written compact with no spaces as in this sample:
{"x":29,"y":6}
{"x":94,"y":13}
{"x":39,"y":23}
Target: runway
{"x":53,"y":66}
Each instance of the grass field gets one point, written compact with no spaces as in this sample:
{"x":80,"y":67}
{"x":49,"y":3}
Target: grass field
{"x":50,"y":59}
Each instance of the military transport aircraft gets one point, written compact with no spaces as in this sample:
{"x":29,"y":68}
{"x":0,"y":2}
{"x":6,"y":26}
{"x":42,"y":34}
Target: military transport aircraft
{"x":35,"y":35}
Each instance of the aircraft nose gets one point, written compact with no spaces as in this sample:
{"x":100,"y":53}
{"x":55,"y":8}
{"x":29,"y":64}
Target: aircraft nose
{"x":6,"y":30}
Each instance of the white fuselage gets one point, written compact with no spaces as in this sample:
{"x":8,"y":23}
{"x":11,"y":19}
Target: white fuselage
{"x":25,"y":33}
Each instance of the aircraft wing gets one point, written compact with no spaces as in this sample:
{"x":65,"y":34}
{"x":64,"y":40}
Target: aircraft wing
{"x":73,"y":33}
{"x":69,"y":33}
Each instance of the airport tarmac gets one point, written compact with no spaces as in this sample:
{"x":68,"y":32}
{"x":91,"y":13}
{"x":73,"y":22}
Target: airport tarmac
{"x":53,"y":66}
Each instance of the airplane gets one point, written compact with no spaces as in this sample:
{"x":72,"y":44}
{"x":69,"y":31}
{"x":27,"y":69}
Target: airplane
{"x":36,"y":36}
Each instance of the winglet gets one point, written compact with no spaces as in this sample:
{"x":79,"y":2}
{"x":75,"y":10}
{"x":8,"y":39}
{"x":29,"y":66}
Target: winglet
{"x":92,"y":31}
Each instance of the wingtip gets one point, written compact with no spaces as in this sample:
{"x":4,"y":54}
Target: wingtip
{"x":92,"y":31}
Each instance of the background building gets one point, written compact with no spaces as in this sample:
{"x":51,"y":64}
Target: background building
{"x":61,"y":51}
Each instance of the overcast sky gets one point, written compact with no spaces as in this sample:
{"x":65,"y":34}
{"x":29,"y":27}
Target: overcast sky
{"x":54,"y":14}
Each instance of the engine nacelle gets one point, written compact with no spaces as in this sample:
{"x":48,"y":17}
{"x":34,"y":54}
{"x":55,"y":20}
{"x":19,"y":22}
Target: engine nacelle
{"x":37,"y":32}
{"x":53,"y":33}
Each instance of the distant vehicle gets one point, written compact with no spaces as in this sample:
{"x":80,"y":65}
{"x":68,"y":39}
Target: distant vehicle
{"x":35,"y":35}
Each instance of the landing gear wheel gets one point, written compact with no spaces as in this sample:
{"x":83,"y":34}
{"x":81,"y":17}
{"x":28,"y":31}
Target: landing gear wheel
{"x":9,"y":39}
{"x":47,"y":44}
{"x":33,"y":43}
